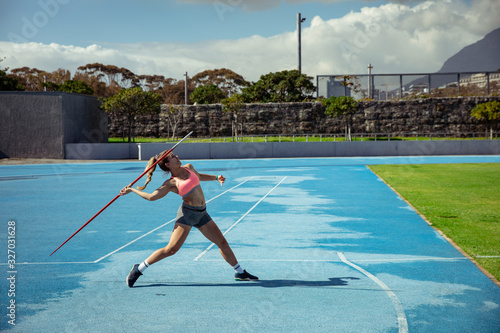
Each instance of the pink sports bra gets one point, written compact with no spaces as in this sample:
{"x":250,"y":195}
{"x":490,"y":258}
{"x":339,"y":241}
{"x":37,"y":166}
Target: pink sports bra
{"x":186,"y":186}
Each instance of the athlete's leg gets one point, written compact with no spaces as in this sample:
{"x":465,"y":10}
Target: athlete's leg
{"x":212,"y":232}
{"x":179,"y":235}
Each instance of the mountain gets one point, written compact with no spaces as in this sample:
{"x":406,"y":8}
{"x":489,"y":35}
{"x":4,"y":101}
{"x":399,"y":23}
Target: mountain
{"x":482,"y":56}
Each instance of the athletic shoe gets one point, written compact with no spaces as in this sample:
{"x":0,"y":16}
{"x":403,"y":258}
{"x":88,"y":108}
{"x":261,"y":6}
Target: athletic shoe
{"x":133,"y":275}
{"x":245,"y":277}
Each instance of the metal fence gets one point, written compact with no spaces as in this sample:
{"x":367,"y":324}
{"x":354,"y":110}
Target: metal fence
{"x":401,"y":86}
{"x":325,"y":137}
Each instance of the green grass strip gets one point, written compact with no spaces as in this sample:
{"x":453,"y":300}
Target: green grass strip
{"x":461,"y":200}
{"x":290,"y":138}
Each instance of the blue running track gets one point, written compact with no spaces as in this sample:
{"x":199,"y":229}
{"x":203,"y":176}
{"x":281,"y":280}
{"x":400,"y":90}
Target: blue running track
{"x":336,"y":250}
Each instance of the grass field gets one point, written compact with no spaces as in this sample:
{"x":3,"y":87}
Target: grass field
{"x":461,"y":200}
{"x":300,"y":138}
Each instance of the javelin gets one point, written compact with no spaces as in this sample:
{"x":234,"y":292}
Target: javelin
{"x":119,"y":195}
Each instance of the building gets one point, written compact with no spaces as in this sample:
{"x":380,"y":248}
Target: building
{"x":480,"y":79}
{"x":336,"y":88}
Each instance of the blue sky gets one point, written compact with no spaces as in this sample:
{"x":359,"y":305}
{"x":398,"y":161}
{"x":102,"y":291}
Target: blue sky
{"x":84,"y":22}
{"x":250,"y":37}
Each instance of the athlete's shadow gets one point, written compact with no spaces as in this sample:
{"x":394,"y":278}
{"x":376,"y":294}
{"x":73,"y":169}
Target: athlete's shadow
{"x":341,"y":281}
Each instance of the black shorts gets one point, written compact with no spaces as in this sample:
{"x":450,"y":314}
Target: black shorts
{"x":193,"y":216}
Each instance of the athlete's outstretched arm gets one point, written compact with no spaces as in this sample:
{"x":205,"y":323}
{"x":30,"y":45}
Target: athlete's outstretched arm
{"x":159,"y":193}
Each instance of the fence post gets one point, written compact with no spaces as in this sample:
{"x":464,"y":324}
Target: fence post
{"x":400,"y":86}
{"x":488,"y":84}
{"x":317,"y":86}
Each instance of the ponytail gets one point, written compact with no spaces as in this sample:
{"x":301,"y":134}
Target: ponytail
{"x":152,"y":160}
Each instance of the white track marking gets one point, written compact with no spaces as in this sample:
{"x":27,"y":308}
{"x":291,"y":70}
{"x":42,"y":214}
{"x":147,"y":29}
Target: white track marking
{"x":161,"y":226}
{"x":393,"y":260}
{"x":135,"y":240}
{"x":386,"y":260}
{"x":402,"y":322}
{"x":240,"y":219}
{"x":52,"y":263}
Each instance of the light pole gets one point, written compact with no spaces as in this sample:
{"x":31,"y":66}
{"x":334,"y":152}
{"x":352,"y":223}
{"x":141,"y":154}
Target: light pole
{"x":299,"y":23}
{"x":186,"y":89}
{"x":386,"y":86}
{"x":370,"y":88}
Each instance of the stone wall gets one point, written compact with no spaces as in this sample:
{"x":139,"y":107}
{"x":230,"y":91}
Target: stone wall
{"x":436,"y":115}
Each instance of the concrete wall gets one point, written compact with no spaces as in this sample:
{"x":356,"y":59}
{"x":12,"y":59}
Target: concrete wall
{"x":145,"y":151}
{"x":39,"y":124}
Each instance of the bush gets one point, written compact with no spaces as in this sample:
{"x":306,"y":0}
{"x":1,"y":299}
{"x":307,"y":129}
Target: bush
{"x":209,"y":94}
{"x":488,"y":112}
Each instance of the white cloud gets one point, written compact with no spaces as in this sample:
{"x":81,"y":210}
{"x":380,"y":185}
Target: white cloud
{"x":262,"y":5}
{"x":394,"y":38}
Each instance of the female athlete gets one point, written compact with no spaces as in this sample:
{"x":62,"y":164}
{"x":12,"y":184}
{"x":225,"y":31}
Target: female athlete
{"x":185,"y":181}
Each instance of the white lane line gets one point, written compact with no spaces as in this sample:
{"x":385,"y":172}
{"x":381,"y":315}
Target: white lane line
{"x":239,"y":220}
{"x":276,"y":260}
{"x":412,"y":259}
{"x":135,"y":240}
{"x":161,"y":226}
{"x":232,"y":188}
{"x":337,"y":260}
{"x":52,"y":263}
{"x":402,"y":322}
{"x":257,"y":260}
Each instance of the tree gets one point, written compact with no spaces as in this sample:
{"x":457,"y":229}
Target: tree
{"x":35,"y":79}
{"x":151,"y":82}
{"x":173,"y":91}
{"x":71,"y":86}
{"x":31,"y":78}
{"x":111,"y":75}
{"x":284,"y":86}
{"x":174,"y":116}
{"x":227,"y":80}
{"x":488,"y":112}
{"x":234,"y":104}
{"x":132,"y":102}
{"x":9,"y":83}
{"x":59,"y":76}
{"x":351,"y":83}
{"x":342,"y":106}
{"x":210,"y":94}
{"x":99,"y":87}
